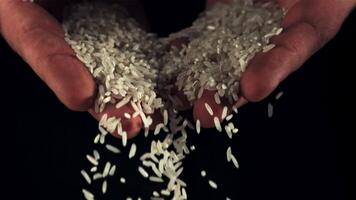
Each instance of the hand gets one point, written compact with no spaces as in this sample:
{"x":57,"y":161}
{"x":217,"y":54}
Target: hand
{"x":38,"y":38}
{"x":308,"y":25}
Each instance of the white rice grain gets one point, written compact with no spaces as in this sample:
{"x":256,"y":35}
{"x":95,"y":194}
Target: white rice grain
{"x":165,"y":117}
{"x":213,"y":184}
{"x":122,"y":180}
{"x":112,"y":148}
{"x":229,"y":117}
{"x":132,"y":150}
{"x":86,"y":176}
{"x":156,"y":179}
{"x":224,"y":113}
{"x":112,"y":170}
{"x":197,"y":126}
{"x":104,"y":187}
{"x":270,"y":110}
{"x":217,"y":124}
{"x":228,"y":154}
{"x":208,"y":108}
{"x":143,"y":172}
{"x":92,"y":160}
{"x":279,"y":95}
{"x":88,"y":195}
{"x":217,"y":98}
{"x":203,"y":173}
{"x":106,"y":169}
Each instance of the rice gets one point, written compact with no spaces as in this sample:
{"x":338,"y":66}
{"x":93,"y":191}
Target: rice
{"x":156,"y":179}
{"x":224,"y":113}
{"x":229,"y":117}
{"x":112,"y":148}
{"x":268,"y":48}
{"x":279,"y":95}
{"x":127,"y":115}
{"x":92,"y":160}
{"x":203,"y":173}
{"x":143,"y":172}
{"x":96,"y":139}
{"x":155,"y":194}
{"x":123,"y":102}
{"x":270,"y":110}
{"x":106,"y":169}
{"x":132,"y":150}
{"x":124,"y":138}
{"x":104,"y":187}
{"x":88,"y":195}
{"x":112,"y":170}
{"x":213,"y":184}
{"x":86,"y":176}
{"x":96,"y":154}
{"x":234,"y":161}
{"x":217,"y":124}
{"x":217,"y":98}
{"x":97,"y":176}
{"x":197,"y":126}
{"x":122,"y":180}
{"x":228,"y":154}
{"x":165,"y":192}
{"x":93,"y":169}
{"x":165,"y":117}
{"x":131,"y":66}
{"x":208,"y":108}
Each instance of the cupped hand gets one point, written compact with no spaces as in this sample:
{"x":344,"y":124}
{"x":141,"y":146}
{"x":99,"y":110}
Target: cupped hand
{"x":308,"y":25}
{"x":38,"y":38}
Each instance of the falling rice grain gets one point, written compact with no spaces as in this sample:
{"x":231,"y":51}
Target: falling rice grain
{"x":217,"y":124}
{"x":279,"y":95}
{"x":224,"y":113}
{"x":122,"y":180}
{"x":86,"y":176}
{"x":88,"y":195}
{"x":92,"y":160}
{"x":106,"y":169}
{"x":197,"y":126}
{"x":203,"y":173}
{"x":112,"y":148}
{"x":132,"y":150}
{"x":229,"y":117}
{"x":165,"y":117}
{"x":143,"y":172}
{"x":104,"y":187}
{"x":112,"y":170}
{"x":270,"y":110}
{"x":156,"y":179}
{"x":213,"y":184}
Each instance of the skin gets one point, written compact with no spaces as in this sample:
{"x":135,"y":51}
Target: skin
{"x":38,"y":38}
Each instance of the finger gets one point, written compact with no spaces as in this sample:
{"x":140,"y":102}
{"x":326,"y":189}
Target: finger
{"x":131,"y":125}
{"x":39,"y":40}
{"x":308,"y":26}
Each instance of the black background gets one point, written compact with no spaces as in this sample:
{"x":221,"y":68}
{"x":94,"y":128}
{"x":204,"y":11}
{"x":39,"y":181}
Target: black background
{"x":302,"y":152}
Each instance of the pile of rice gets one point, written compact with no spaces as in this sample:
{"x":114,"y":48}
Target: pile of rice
{"x":128,"y":64}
